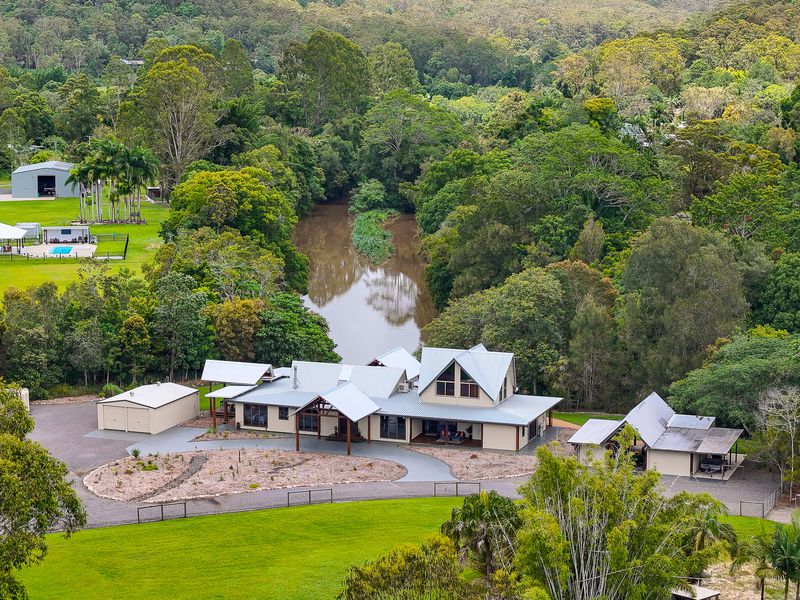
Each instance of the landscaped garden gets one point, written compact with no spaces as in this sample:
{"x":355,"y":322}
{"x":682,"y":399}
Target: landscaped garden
{"x":301,"y":552}
{"x":22,"y":273}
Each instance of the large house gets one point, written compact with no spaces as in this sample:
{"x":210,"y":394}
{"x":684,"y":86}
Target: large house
{"x":670,"y":443}
{"x":449,"y":397}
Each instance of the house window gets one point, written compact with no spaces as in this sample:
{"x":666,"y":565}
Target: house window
{"x":283,"y":413}
{"x":446,"y":383}
{"x":524,"y":429}
{"x":505,"y":390}
{"x":255,"y":415}
{"x":469,"y":389}
{"x":393,"y":427}
{"x":308,"y":422}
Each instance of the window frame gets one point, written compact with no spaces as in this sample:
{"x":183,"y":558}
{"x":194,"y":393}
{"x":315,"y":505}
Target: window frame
{"x":283,"y":413}
{"x":257,"y":410}
{"x":385,"y":427}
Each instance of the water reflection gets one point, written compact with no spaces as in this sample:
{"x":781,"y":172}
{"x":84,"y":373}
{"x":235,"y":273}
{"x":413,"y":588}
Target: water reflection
{"x":369,"y":309}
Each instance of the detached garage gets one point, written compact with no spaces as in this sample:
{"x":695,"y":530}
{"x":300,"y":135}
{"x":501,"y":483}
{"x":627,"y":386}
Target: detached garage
{"x":148,"y":408}
{"x":43,"y":180}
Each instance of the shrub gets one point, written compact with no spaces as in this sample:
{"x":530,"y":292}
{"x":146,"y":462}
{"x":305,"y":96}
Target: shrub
{"x":110,"y":389}
{"x":135,"y":453}
{"x":370,"y":238}
{"x":370,"y":195}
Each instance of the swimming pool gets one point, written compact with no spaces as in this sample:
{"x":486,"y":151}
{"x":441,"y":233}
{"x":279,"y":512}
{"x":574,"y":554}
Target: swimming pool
{"x":61,"y":250}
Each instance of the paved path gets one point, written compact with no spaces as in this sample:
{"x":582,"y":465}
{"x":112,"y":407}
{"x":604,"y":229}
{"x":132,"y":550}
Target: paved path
{"x":421,"y":467}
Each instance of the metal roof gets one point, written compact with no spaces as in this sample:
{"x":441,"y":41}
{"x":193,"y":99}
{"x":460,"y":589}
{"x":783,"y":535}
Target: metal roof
{"x":348,"y":400}
{"x":515,"y":410}
{"x":154,"y":395}
{"x":319,"y":377}
{"x":696,"y":593}
{"x":690,"y":421}
{"x":50,"y":164}
{"x":596,"y":431}
{"x":650,"y":418}
{"x":230,"y":391}
{"x":488,"y":369}
{"x":9,"y":232}
{"x":719,"y":440}
{"x":401,"y":358}
{"x":233,"y":372}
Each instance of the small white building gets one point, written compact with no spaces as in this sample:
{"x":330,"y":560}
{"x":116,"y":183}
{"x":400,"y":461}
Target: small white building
{"x":670,"y":443}
{"x":66,"y":234}
{"x":149,"y":408}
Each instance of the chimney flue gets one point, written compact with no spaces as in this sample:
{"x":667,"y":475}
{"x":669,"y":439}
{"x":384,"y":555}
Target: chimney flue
{"x":294,"y":377}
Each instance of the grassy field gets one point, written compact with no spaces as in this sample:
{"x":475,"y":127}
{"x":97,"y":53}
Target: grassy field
{"x":301,"y":552}
{"x":747,"y":527}
{"x":579,"y":418}
{"x":22,"y":273}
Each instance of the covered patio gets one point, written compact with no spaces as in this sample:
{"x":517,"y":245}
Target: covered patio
{"x":12,"y":239}
{"x":347,"y":404}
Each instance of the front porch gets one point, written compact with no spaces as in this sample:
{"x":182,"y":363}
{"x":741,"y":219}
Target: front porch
{"x":435,"y":440}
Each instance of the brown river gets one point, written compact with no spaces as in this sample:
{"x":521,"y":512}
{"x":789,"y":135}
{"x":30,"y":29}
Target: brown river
{"x":370,"y":309}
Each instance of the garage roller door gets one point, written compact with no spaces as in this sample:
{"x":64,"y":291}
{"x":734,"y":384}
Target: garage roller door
{"x":114,"y":417}
{"x":138,"y":420}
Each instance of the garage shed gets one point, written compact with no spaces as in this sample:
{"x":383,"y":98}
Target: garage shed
{"x":43,"y":180}
{"x":148,"y":408}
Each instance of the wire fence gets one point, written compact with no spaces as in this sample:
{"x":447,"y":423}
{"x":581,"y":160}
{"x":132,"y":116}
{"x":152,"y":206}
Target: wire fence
{"x":759,"y":508}
{"x":109,"y":246}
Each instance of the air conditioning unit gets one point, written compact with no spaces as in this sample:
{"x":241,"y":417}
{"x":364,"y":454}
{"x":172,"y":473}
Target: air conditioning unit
{"x":404,"y":386}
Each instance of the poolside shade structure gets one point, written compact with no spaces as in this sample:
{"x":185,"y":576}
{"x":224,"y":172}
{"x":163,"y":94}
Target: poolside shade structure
{"x":12,"y":238}
{"x":346,"y":403}
{"x":232,"y":374}
{"x":66,"y":234}
{"x":148,"y":408}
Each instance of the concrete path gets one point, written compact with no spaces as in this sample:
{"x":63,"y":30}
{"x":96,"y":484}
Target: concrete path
{"x":421,"y":467}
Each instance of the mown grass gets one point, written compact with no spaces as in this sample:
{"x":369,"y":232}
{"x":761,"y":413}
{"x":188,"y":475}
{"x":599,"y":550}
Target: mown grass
{"x":144,"y":241}
{"x":748,"y":527}
{"x":369,"y":236}
{"x":579,"y":418}
{"x":300,"y":552}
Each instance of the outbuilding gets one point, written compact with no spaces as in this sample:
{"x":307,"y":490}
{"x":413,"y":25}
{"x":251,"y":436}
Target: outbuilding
{"x":43,"y":180}
{"x":148,"y":408}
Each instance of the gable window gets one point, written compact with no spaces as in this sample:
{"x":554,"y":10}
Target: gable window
{"x":469,"y":389}
{"x":504,"y":393}
{"x":446,"y":383}
{"x":283,"y":413}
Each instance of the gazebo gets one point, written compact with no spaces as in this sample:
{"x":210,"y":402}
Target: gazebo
{"x":346,"y":403}
{"x":11,"y":239}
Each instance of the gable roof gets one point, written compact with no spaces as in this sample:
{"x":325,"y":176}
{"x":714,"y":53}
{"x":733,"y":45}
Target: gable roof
{"x":348,"y":400}
{"x":319,"y":377}
{"x":230,"y":371}
{"x":153,"y":395}
{"x":230,"y":391}
{"x":50,"y":164}
{"x":595,"y":431}
{"x":488,"y":369}
{"x":401,"y":358}
{"x":650,"y":418}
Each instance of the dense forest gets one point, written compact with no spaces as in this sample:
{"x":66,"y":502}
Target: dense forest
{"x":610,"y":193}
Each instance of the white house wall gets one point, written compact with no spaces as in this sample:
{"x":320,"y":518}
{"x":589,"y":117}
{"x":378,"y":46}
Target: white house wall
{"x":500,"y":437}
{"x":669,"y":463}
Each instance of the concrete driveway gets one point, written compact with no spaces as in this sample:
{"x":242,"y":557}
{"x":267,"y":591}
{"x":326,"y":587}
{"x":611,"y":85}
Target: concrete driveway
{"x":69,"y":432}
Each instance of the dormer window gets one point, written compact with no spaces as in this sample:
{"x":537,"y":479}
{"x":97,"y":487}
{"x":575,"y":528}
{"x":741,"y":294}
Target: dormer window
{"x":446,"y":382}
{"x":469,"y":389}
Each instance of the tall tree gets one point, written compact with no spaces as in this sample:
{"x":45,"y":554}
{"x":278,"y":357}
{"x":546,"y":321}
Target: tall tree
{"x":393,"y":69}
{"x":35,"y":497}
{"x":330,"y":73}
{"x":173,"y":110}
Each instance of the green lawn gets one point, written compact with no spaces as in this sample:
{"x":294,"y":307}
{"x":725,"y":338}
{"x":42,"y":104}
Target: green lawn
{"x":300,"y":552}
{"x":579,"y":418}
{"x":21,"y":273}
{"x":747,"y":527}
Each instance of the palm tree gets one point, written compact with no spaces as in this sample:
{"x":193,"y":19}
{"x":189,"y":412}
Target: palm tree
{"x":143,"y":170}
{"x":758,"y":552}
{"x":483,"y":530}
{"x":708,"y":529}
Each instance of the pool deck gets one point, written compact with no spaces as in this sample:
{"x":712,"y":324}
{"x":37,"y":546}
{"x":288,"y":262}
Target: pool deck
{"x":46,"y":250}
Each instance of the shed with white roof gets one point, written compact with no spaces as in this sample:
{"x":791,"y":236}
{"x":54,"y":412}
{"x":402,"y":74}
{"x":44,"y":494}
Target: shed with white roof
{"x":149,"y":408}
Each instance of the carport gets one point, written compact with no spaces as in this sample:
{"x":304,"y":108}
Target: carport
{"x":148,"y":408}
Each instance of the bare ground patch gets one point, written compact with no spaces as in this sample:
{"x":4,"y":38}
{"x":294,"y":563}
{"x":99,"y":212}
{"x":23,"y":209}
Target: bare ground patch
{"x":466,"y":464}
{"x":231,"y":472}
{"x":205,"y":422}
{"x":67,"y":400}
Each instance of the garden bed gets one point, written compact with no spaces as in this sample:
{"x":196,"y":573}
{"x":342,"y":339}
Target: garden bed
{"x":161,"y":478}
